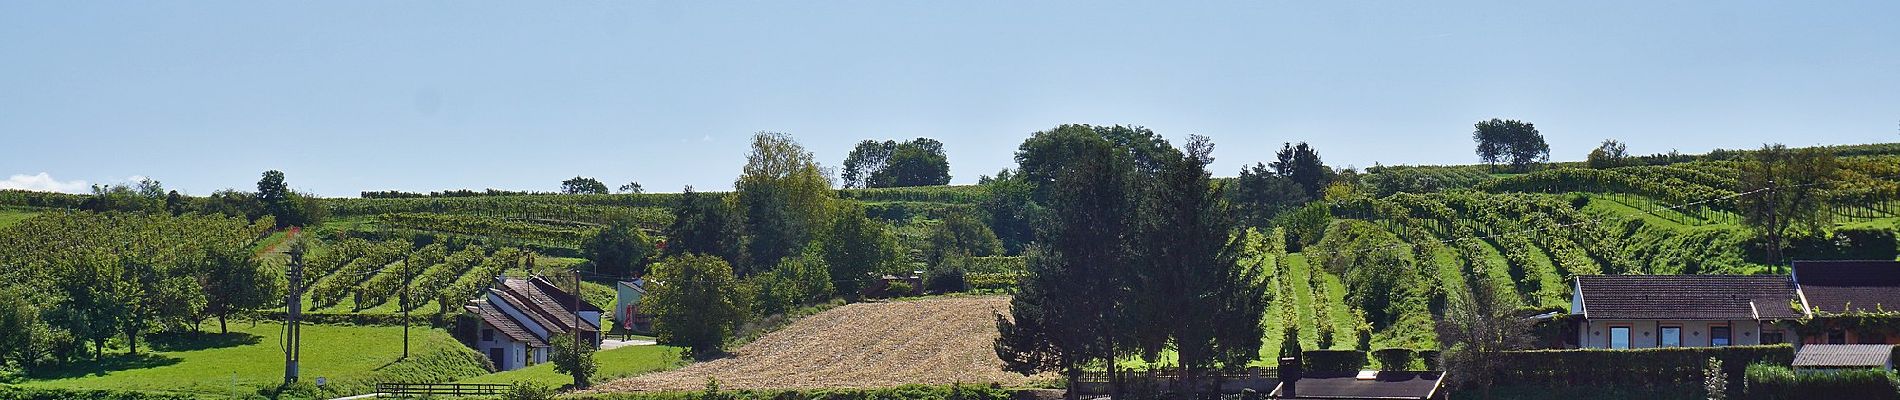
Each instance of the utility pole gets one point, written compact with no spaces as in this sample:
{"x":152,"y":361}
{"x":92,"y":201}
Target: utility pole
{"x":293,"y":309}
{"x":577,"y":322}
{"x":405,"y":307}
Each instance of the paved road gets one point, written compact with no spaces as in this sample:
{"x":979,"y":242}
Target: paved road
{"x":610,"y":344}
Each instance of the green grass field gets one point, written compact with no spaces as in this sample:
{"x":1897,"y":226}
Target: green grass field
{"x":352,"y":358}
{"x":614,"y":364}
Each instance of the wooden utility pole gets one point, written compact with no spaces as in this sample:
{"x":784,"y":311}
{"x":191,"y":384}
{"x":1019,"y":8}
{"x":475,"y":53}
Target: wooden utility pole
{"x":578,"y":381}
{"x":405,"y":307}
{"x":293,"y":309}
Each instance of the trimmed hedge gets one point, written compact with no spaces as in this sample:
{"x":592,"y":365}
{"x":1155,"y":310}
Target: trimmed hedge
{"x":1319,"y":361}
{"x":1764,"y":381}
{"x":1432,"y":359}
{"x":22,"y":393}
{"x":1641,"y":367}
{"x":907,"y":392}
{"x":1394,"y":359}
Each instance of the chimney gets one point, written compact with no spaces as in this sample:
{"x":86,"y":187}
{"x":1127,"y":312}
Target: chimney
{"x":1289,"y":376}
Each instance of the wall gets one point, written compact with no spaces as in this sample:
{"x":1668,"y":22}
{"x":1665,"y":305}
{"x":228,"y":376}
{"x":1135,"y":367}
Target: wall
{"x":1647,"y":333}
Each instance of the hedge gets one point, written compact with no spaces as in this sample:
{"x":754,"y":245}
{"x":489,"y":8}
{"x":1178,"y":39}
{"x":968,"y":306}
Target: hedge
{"x":907,"y":392}
{"x":1394,"y":359}
{"x":1432,"y":359}
{"x":1321,"y":361}
{"x":22,"y":393}
{"x":1765,"y":381}
{"x":1641,"y":367}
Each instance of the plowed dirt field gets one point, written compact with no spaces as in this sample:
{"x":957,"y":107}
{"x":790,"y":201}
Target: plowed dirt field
{"x":863,"y":345}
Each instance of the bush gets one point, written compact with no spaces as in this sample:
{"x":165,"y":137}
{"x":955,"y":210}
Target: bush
{"x":526,"y":390}
{"x":1641,"y":367}
{"x":948,"y":276}
{"x":899,"y":289}
{"x":1394,"y":359}
{"x":1768,"y":381}
{"x":907,"y":392}
{"x":1320,"y":361}
{"x":20,"y":393}
{"x":1432,"y":359}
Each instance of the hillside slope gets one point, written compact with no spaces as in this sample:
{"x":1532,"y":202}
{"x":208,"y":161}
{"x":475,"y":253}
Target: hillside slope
{"x":864,"y":345}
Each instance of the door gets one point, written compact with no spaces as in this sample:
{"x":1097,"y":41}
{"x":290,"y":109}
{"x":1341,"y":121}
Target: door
{"x":495,"y":355}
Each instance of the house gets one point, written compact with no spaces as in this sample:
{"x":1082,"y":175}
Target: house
{"x":1645,"y":311}
{"x":627,"y":312}
{"x":519,"y":317}
{"x":1833,"y":288}
{"x":1826,"y":357}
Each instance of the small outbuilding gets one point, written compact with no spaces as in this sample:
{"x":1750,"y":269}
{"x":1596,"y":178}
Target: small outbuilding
{"x":1823,"y":357}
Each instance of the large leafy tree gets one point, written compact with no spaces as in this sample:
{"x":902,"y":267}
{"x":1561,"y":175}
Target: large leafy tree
{"x":1302,"y":164}
{"x":288,"y":207}
{"x":1260,"y":194}
{"x":1515,"y":142}
{"x":1783,"y":191}
{"x":703,"y":224}
{"x":917,"y":162}
{"x":1610,"y":154}
{"x":574,"y":359}
{"x":583,"y":185}
{"x":620,"y":249}
{"x":961,"y":234}
{"x":1008,"y":208}
{"x":785,"y":199}
{"x":696,"y":303}
{"x":856,"y":248}
{"x":234,"y":281}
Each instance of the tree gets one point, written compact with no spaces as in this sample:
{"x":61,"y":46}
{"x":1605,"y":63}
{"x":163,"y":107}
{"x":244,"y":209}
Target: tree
{"x":1259,"y":195}
{"x":961,"y":234}
{"x":857,"y":248}
{"x":1714,"y":381}
{"x":290,"y":208}
{"x":574,"y":360}
{"x":1301,"y":164}
{"x":1474,"y":331}
{"x":233,"y":281}
{"x":1189,"y":273}
{"x":1610,"y":154}
{"x":17,"y":319}
{"x":583,"y":185}
{"x":633,"y":188}
{"x":785,"y":200}
{"x":1783,"y":193}
{"x":1008,"y":207}
{"x":696,"y":303}
{"x":1066,"y":315}
{"x":1512,"y":141}
{"x":703,"y":224}
{"x":917,"y":162}
{"x":619,"y":249}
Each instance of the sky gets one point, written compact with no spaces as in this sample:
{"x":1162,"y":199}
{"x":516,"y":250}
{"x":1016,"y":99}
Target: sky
{"x":349,"y":96}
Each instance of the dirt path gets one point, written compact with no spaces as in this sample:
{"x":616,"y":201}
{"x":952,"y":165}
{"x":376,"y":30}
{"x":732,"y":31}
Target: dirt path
{"x":865,"y":345}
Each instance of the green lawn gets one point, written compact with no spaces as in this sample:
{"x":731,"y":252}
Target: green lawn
{"x":614,"y":364}
{"x":8,"y":216}
{"x":353,"y":358}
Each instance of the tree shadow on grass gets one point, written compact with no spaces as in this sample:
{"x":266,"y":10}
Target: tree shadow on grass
{"x":105,"y":365}
{"x":188,"y":341}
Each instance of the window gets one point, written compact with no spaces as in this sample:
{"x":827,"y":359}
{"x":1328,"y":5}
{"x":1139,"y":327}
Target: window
{"x":488,"y":335}
{"x":1836,"y":336}
{"x":1718,"y":336}
{"x":1619,"y":337}
{"x":1671,"y":336}
{"x":1772,"y":337}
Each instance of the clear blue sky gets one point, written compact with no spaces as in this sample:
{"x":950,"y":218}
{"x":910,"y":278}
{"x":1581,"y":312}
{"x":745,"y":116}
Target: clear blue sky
{"x":430,"y":95}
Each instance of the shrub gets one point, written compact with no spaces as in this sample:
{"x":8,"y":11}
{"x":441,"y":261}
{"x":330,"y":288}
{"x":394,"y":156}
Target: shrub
{"x":1642,"y":367}
{"x":1321,"y":361}
{"x":1432,"y":359}
{"x":907,"y":392}
{"x":20,"y":393}
{"x":1769,"y":381}
{"x":527,"y":390}
{"x":899,"y":289}
{"x":1394,"y":359}
{"x":948,"y":276}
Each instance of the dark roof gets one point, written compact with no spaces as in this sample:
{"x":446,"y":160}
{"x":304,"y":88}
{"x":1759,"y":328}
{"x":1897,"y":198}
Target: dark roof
{"x":560,"y":296}
{"x":1388,"y":385}
{"x":1833,"y":286}
{"x":538,"y":305}
{"x":1843,"y":355}
{"x":1690,"y":297}
{"x":504,"y":323}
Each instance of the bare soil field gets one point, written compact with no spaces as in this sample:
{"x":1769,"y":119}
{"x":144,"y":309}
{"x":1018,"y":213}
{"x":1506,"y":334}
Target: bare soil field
{"x":864,"y":345}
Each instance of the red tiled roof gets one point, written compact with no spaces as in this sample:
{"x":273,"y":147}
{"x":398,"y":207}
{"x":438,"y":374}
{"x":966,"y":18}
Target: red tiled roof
{"x":1690,"y":297}
{"x":1835,"y":286}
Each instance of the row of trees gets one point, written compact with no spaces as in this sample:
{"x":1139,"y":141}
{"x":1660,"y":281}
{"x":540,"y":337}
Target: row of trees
{"x":1133,"y":254}
{"x":80,"y":280}
{"x":273,"y":198}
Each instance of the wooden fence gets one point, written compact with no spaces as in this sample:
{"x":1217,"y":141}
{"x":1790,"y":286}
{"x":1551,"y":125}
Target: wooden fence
{"x":442,"y":389}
